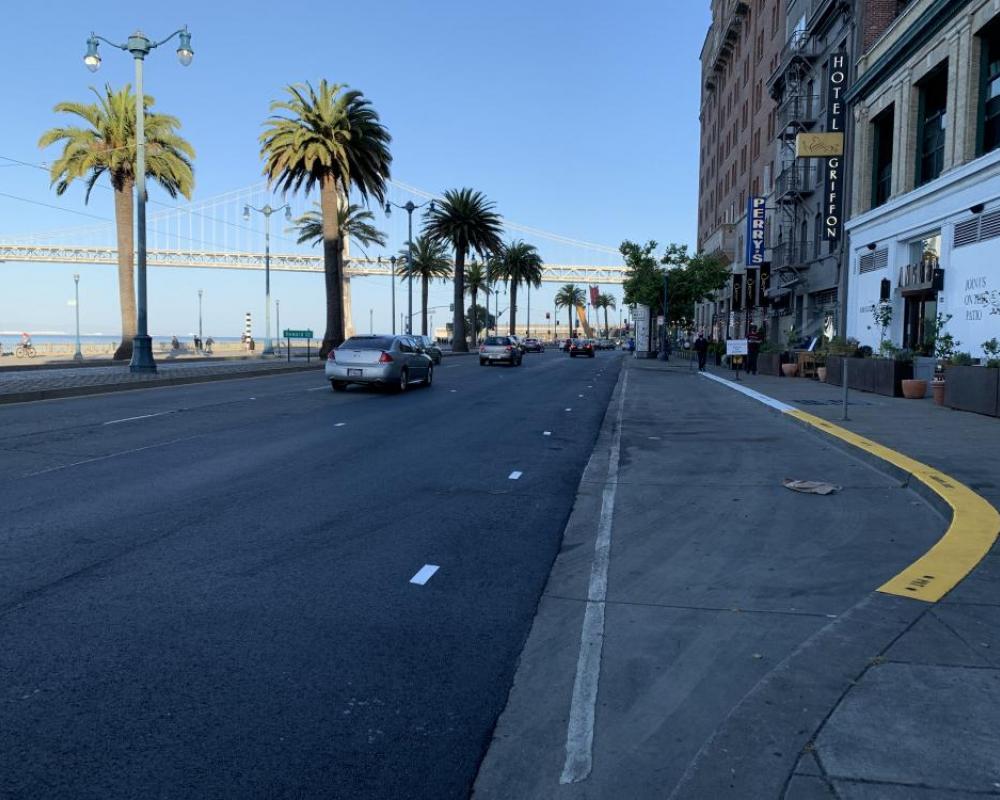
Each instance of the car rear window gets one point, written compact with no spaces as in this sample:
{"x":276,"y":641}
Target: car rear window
{"x":367,"y":343}
{"x":501,"y":340}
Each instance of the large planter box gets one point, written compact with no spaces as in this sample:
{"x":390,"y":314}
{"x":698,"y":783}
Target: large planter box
{"x":879,"y":375}
{"x":923,"y":370}
{"x":974,"y":389}
{"x":769,"y":363}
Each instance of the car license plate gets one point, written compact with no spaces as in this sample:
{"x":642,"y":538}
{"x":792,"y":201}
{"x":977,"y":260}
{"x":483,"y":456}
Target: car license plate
{"x":355,"y":373}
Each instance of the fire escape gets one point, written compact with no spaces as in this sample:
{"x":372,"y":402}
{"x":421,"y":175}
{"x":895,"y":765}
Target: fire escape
{"x":792,"y":233}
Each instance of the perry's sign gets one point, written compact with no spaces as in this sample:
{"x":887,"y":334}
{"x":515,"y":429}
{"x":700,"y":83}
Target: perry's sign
{"x":756,"y":215}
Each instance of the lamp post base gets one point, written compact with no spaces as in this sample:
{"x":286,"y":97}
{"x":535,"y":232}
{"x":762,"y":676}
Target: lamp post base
{"x":142,"y":355}
{"x":78,"y":356}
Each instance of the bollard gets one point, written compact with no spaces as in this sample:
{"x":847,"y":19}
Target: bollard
{"x":843,"y":376}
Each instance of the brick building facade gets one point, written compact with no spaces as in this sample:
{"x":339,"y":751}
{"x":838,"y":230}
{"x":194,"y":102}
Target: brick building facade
{"x":740,"y":53}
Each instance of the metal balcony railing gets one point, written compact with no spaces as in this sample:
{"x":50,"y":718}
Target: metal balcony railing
{"x":795,"y":181}
{"x":798,"y":111}
{"x":792,"y":254}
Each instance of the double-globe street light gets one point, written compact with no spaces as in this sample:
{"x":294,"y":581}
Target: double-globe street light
{"x":409,"y":208}
{"x":267,"y":211}
{"x":139,"y":46}
{"x":78,"y":355}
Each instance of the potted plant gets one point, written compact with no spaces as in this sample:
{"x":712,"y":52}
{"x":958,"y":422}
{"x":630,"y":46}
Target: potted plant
{"x":973,"y":388}
{"x":790,"y":368}
{"x":821,"y":366}
{"x":912,"y":388}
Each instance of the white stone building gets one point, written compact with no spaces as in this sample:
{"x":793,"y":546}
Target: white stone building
{"x":925,"y":224}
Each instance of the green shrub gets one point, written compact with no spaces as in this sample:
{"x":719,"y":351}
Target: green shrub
{"x":961,"y":360}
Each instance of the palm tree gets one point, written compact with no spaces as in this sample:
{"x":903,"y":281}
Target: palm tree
{"x":430,"y":260}
{"x":606,"y":301}
{"x":333,"y":138}
{"x":106,"y":144}
{"x":570,"y":297}
{"x":355,"y":224}
{"x":466,"y":220}
{"x":475,"y":282}
{"x":519,"y":263}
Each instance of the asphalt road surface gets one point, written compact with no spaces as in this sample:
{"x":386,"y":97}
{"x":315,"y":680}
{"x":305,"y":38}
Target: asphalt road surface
{"x":206,"y":591}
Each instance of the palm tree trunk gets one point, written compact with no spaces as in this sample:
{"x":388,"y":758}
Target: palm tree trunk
{"x":458,"y":343}
{"x":474,"y":316}
{"x":423,"y":299}
{"x":513,"y":308}
{"x":333,"y":266}
{"x":126,"y":269}
{"x":607,"y":332}
{"x":569,"y":311}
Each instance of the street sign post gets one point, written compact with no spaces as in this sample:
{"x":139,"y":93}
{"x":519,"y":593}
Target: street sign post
{"x":737,"y":350}
{"x":290,"y":334}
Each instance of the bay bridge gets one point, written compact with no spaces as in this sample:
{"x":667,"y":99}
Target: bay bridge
{"x":213,"y":234}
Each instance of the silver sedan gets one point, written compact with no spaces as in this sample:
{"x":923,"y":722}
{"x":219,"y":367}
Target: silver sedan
{"x":380,"y":360}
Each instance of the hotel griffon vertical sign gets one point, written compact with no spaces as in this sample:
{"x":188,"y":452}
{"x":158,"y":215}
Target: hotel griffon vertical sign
{"x":756,"y":212}
{"x":836,"y":116}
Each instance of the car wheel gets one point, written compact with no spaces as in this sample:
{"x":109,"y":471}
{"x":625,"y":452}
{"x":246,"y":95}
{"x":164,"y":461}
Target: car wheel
{"x":430,"y":376}
{"x":404,"y":380}
{"x":482,"y":362}
{"x":338,"y":386}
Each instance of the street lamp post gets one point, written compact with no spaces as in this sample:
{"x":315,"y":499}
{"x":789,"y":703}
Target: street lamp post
{"x":199,"y":315}
{"x":409,"y":208}
{"x":267,"y":211}
{"x":393,"y":261}
{"x":139,"y":46}
{"x":78,"y":355}
{"x":371,"y":320}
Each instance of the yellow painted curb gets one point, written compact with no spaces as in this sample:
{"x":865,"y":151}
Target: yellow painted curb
{"x":972,"y":532}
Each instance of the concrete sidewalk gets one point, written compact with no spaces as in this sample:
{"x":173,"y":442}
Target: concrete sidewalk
{"x":746,"y":653}
{"x":45,"y":384}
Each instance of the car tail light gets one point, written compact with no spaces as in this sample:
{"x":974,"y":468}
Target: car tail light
{"x":385,"y":358}
{"x":508,"y":348}
{"x":332,"y":356}
{"x":482,"y":348}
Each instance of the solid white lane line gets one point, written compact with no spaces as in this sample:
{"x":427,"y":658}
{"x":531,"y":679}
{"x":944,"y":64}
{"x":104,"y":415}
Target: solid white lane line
{"x":515,"y":475}
{"x":762,"y":398}
{"x":580,"y":729}
{"x":141,"y":416}
{"x":318,"y":389}
{"x":424,"y":575}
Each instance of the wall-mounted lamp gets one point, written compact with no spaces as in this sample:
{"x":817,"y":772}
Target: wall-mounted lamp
{"x":977,"y":208}
{"x":872,"y":246}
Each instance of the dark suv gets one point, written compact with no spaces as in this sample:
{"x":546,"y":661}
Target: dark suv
{"x":581,"y":347}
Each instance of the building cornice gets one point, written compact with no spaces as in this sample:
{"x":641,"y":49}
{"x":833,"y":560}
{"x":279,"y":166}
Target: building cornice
{"x":916,"y":36}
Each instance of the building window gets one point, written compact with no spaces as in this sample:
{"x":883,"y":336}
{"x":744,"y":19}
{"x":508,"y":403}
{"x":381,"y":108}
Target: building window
{"x":989,"y":109}
{"x":932,"y":119}
{"x":882,"y":140}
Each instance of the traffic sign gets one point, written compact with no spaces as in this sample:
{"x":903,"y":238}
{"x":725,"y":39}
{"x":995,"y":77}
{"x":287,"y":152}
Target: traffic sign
{"x":290,"y":334}
{"x":737,"y":347}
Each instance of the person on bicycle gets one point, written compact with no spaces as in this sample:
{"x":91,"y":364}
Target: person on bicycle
{"x":25,"y":339}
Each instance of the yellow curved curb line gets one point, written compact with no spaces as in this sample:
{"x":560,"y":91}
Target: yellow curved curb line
{"x":971,"y":534}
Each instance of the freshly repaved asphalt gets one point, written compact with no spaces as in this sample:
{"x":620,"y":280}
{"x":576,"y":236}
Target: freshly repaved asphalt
{"x":205,"y":590}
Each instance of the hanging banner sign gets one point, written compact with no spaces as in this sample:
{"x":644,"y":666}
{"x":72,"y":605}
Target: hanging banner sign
{"x":756,"y":216}
{"x":819,"y":145}
{"x":836,"y":117}
{"x":750,"y":284}
{"x":765,"y":284}
{"x":737,"y":300}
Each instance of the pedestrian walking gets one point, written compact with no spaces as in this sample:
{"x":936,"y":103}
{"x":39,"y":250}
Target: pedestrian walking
{"x":753,"y":349}
{"x":208,"y":345}
{"x":701,"y":348}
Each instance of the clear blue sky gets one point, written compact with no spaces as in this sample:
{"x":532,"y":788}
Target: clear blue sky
{"x":579,"y":118}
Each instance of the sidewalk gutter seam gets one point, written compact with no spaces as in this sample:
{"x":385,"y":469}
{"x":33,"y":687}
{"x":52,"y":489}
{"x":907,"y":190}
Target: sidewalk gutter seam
{"x":580,"y":728}
{"x":971,"y":532}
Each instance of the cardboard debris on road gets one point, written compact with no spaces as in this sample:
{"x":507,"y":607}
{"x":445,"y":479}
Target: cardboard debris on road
{"x":811,"y":487}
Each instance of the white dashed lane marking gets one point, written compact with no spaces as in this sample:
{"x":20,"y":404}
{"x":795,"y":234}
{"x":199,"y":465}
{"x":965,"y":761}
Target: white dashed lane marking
{"x":515,"y":475}
{"x":424,"y":575}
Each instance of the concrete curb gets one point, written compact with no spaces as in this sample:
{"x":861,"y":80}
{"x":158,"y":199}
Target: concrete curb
{"x":84,"y":391}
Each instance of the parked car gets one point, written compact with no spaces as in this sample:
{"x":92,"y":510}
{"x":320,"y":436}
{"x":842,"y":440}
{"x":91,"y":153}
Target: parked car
{"x":533,"y":346}
{"x":500,"y":350}
{"x":430,"y":347}
{"x":581,"y":347}
{"x":379,"y":360}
